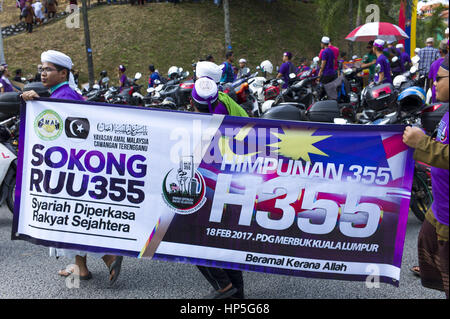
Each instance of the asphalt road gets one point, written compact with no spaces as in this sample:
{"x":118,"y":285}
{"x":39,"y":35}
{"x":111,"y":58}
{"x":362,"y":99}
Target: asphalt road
{"x":27,"y":272}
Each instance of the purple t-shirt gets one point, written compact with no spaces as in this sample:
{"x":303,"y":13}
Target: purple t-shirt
{"x":221,"y":109}
{"x":439,"y":179}
{"x":7,"y":86}
{"x":65,"y":92}
{"x":434,"y":68}
{"x":404,"y":57}
{"x":382,"y":65}
{"x":123,"y":81}
{"x":328,"y":57}
{"x":284,"y":69}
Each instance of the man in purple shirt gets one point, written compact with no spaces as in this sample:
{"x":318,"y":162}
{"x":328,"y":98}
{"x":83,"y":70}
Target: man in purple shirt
{"x":286,"y":68}
{"x":434,"y":68}
{"x":56,"y":68}
{"x":6,"y":85}
{"x":432,"y":244}
{"x":55,"y":76}
{"x":405,"y":59}
{"x":382,"y":66}
{"x":327,"y":72}
{"x":123,"y":80}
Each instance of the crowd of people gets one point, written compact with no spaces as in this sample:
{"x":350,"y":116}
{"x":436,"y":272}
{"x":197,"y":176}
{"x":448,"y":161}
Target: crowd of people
{"x":55,"y":74}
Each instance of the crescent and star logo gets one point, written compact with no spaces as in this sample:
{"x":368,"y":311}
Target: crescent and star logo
{"x":77,"y":127}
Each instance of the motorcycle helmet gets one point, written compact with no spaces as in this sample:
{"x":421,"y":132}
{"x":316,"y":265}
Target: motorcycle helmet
{"x":398,"y":80}
{"x":103,"y":73}
{"x":168,"y":103}
{"x":173,"y":71}
{"x":122,"y":68}
{"x":266,"y":66}
{"x":412,"y":99}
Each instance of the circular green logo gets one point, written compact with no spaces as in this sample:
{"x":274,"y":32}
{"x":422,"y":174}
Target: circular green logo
{"x":48,"y":125}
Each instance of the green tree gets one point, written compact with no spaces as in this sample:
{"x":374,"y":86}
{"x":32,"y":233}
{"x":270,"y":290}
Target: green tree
{"x":432,"y":26}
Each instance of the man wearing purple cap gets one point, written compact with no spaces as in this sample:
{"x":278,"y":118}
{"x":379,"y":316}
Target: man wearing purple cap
{"x":432,"y":244}
{"x":286,"y":68}
{"x":434,"y":68}
{"x":123,"y":80}
{"x":382,"y":66}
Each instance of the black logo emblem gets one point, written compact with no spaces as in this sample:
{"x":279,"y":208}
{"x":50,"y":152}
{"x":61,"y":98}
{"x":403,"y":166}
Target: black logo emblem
{"x":77,"y":127}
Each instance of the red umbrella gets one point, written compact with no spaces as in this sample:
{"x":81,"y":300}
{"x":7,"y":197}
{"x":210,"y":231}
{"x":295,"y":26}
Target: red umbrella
{"x":377,"y":30}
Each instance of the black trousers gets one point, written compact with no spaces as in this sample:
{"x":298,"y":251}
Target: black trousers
{"x":29,"y":27}
{"x":219,"y":278}
{"x":328,"y":78}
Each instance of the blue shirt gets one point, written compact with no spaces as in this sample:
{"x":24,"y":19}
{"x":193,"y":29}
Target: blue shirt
{"x":151,"y":81}
{"x":227,"y":74}
{"x":427,"y":56}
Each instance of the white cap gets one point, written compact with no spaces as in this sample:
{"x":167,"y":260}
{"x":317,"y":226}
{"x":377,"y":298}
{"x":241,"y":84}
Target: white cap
{"x":205,"y":89}
{"x":325,"y":40}
{"x":379,"y":43}
{"x":209,"y":69}
{"x":446,"y":31}
{"x":430,"y":40}
{"x":58,"y":58}
{"x":242,"y":61}
{"x":399,"y":46}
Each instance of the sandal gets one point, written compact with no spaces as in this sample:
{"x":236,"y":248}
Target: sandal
{"x":115,"y":266}
{"x":70,"y":272}
{"x":415,"y":270}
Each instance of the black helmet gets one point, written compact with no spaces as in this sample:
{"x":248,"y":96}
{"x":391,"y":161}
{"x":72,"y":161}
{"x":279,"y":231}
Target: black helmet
{"x":103,"y":73}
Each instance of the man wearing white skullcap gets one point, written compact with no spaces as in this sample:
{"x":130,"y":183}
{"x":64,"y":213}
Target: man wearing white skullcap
{"x":55,"y":76}
{"x":209,"y":69}
{"x":427,"y":55}
{"x":382,"y":66}
{"x":206,"y":98}
{"x":327,"y":71}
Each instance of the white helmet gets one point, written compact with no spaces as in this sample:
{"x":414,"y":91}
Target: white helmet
{"x":266,"y":66}
{"x":267,"y":105}
{"x":398,"y":80}
{"x":173,"y":70}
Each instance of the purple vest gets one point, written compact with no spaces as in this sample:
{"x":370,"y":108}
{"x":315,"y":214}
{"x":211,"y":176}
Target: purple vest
{"x":439,"y":179}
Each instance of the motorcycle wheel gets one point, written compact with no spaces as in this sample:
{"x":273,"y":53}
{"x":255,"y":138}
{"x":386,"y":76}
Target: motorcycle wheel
{"x":421,"y":197}
{"x":11,"y":191}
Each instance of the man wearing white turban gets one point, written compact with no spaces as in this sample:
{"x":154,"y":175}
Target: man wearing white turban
{"x":55,"y":76}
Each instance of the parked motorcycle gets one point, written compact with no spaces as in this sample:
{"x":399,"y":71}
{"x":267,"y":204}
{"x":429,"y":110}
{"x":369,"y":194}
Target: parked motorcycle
{"x":240,"y":92}
{"x":129,"y":95}
{"x":9,"y":134}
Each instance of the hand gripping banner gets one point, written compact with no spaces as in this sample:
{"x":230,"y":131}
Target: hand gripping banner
{"x":296,"y":198}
